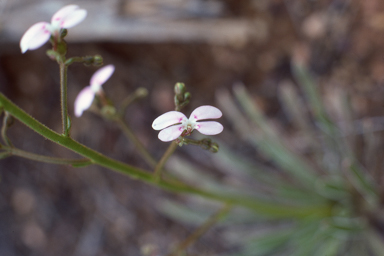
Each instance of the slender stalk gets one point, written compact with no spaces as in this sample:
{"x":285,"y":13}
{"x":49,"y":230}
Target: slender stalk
{"x":46,"y":159}
{"x":6,"y":120}
{"x":201,"y":230}
{"x":143,"y":151}
{"x":164,"y":159}
{"x":136,"y":95}
{"x":260,"y":206}
{"x":63,"y":97}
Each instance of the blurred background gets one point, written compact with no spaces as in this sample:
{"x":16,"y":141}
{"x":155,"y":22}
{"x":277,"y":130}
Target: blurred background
{"x":207,"y":44}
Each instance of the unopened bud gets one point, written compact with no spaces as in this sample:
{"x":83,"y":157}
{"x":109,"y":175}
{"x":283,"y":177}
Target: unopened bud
{"x":53,"y":55}
{"x":63,"y":33}
{"x":141,"y":92}
{"x":179,"y":88}
{"x":61,"y":48}
{"x":187,"y":96}
{"x":108,"y":111}
{"x":97,"y":60}
{"x":214,"y":147}
{"x":179,"y":91}
{"x":207,"y":144}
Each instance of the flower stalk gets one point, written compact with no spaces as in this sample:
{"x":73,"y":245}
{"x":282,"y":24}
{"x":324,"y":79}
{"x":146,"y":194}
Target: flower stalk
{"x":7,"y":121}
{"x":202,"y":229}
{"x":63,"y":100}
{"x":11,"y":151}
{"x":171,"y":148}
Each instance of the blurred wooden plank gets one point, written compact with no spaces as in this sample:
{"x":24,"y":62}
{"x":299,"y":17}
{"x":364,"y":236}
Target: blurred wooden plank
{"x":136,"y":21}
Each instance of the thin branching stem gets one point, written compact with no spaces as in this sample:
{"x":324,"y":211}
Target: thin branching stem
{"x":261,"y":206}
{"x":6,"y":119}
{"x":46,"y":159}
{"x":63,"y":97}
{"x":140,"y":147}
{"x":201,"y":230}
{"x":172,"y":147}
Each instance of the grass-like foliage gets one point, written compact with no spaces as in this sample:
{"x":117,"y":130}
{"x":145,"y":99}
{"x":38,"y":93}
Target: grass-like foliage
{"x":328,"y":191}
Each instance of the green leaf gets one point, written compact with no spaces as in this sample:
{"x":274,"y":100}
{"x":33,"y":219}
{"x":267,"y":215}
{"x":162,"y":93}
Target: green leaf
{"x":376,"y":242}
{"x":271,"y":145}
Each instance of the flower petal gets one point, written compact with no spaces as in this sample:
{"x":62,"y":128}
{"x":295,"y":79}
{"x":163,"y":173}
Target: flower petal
{"x":35,"y":36}
{"x":101,"y":76}
{"x":74,"y":18}
{"x":60,"y":15}
{"x":209,"y":127}
{"x":83,"y":100}
{"x":167,"y":119}
{"x":171,"y":133}
{"x":205,"y":112}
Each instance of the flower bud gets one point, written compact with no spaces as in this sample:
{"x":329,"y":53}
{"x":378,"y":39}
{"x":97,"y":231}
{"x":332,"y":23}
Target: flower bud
{"x":141,"y":92}
{"x":53,"y":55}
{"x":63,"y":33}
{"x":108,"y":111}
{"x":179,"y":88}
{"x":97,"y":60}
{"x":207,"y":144}
{"x":61,"y":48}
{"x":187,"y":96}
{"x":179,"y":92}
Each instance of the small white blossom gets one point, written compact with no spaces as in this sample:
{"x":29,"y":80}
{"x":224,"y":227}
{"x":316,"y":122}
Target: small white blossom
{"x":85,"y":98}
{"x":173,"y":123}
{"x":39,"y":33}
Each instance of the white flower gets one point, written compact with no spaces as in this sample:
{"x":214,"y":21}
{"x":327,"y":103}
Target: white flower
{"x":39,"y":34}
{"x":174,"y":123}
{"x":85,"y":98}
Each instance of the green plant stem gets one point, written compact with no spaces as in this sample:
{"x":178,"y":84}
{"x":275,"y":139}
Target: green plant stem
{"x":136,"y":95}
{"x":201,"y":230}
{"x":63,"y":97}
{"x":4,"y":128}
{"x":46,"y":159}
{"x":143,"y":151}
{"x":260,"y":206}
{"x":172,"y":147}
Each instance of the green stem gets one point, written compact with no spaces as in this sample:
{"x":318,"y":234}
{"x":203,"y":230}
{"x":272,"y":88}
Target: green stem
{"x":201,"y":230}
{"x":164,"y":159}
{"x":6,"y":120}
{"x":260,"y":206}
{"x":143,"y":151}
{"x":63,"y":97}
{"x":47,"y":159}
{"x":136,"y":95}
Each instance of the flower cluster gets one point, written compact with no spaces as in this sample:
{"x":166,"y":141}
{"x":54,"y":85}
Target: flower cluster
{"x":85,"y":98}
{"x":173,"y":123}
{"x":39,"y":33}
